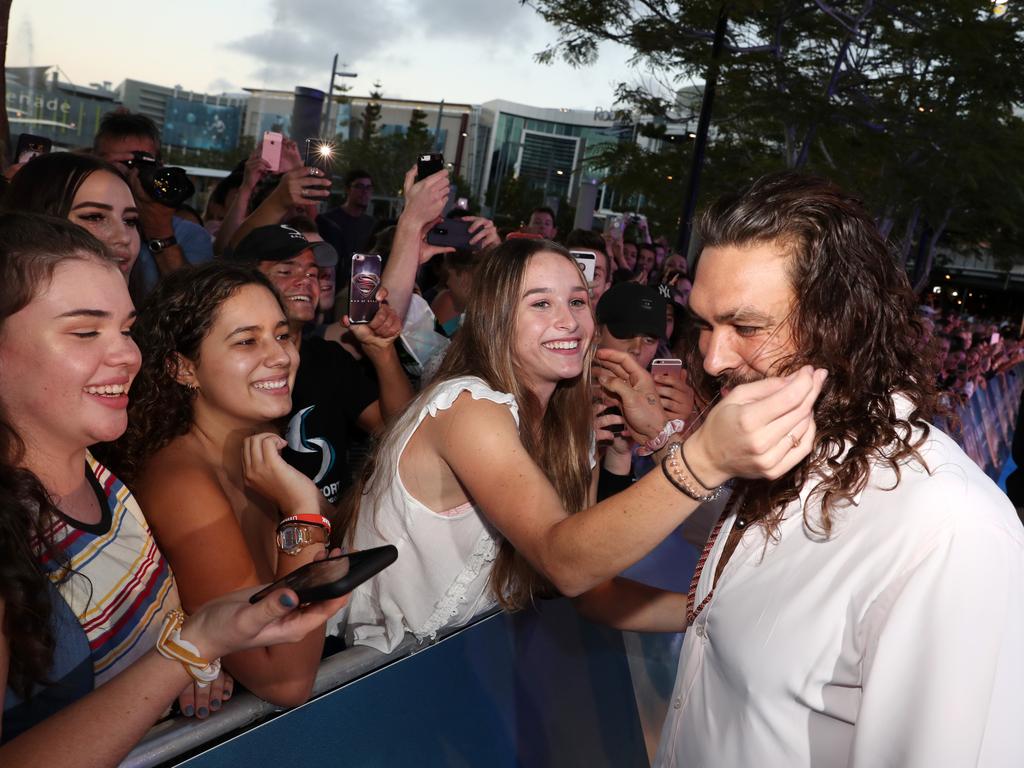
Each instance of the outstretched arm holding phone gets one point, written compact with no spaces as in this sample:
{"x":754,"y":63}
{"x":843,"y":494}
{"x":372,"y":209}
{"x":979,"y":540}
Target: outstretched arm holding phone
{"x":299,"y":188}
{"x":377,"y":339}
{"x":424,"y":201}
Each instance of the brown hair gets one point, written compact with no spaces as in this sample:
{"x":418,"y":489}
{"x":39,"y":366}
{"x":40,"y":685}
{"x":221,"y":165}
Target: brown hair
{"x":558,"y":438}
{"x":173,"y":321}
{"x":854,"y":315}
{"x":32,"y":247}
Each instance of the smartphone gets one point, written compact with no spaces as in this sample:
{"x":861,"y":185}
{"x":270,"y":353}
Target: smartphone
{"x":613,"y":411}
{"x":333,"y":577}
{"x":666,"y":365}
{"x":994,"y":339}
{"x":30,"y":146}
{"x":451,"y":233}
{"x":271,"y":150}
{"x":614,"y":224}
{"x":362,"y":297}
{"x":428,"y":165}
{"x":586,"y":260}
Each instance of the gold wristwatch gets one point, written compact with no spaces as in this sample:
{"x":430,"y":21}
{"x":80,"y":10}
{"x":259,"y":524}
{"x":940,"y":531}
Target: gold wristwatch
{"x":297,"y":532}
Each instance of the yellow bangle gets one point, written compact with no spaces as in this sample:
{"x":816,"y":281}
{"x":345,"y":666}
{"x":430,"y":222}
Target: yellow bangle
{"x":171,"y":646}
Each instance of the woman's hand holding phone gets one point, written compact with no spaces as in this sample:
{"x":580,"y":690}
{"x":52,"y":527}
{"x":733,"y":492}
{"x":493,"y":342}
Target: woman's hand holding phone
{"x":483,"y":232}
{"x":231,"y":623}
{"x":676,"y":396}
{"x":425,"y":199}
{"x":622,"y":377}
{"x":266,"y":472}
{"x":380,"y":333}
{"x":255,"y":169}
{"x":301,"y":187}
{"x":291,"y":158}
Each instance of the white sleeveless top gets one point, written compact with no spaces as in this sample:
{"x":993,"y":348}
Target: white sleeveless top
{"x":444,"y":559}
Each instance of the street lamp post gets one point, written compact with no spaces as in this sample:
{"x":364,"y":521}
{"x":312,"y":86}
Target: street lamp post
{"x":330,"y":95}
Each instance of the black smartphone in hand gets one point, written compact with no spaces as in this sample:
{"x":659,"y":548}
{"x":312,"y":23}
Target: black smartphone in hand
{"x":333,"y":577}
{"x":30,"y":146}
{"x":451,"y":233}
{"x":613,"y":410}
{"x":428,"y":165}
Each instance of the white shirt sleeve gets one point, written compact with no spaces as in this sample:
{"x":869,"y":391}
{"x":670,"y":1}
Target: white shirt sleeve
{"x":943,"y":655}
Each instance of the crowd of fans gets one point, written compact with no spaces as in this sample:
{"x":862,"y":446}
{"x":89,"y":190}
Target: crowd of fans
{"x":973,"y":350}
{"x":255,"y":403}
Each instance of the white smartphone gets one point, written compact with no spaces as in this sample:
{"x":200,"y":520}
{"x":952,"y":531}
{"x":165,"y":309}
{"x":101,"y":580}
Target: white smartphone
{"x":671,"y":365}
{"x":586,"y":260}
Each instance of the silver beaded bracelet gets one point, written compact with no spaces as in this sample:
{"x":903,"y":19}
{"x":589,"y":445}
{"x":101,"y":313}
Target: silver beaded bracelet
{"x":674,"y":472}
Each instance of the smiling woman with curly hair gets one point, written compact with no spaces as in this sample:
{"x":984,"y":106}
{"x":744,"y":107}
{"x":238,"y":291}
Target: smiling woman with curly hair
{"x":203,"y":456}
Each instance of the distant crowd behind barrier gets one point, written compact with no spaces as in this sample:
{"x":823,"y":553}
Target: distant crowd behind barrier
{"x":987,"y":420}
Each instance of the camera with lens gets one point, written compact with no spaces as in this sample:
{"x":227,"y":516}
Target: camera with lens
{"x":164,"y":184}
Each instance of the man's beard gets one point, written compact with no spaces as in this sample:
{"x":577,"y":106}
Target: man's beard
{"x":722,"y":385}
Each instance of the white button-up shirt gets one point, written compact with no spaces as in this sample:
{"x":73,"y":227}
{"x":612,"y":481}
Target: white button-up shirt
{"x":898,"y":641}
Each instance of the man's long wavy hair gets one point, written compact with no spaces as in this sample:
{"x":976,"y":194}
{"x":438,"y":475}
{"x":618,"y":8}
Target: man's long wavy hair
{"x":32,"y":248}
{"x":558,"y":437}
{"x":855,"y":315}
{"x":172,"y":324}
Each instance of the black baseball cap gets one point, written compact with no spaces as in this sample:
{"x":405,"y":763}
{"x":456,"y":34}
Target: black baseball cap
{"x":631,"y":309}
{"x":280,"y":243}
{"x":274,"y":243}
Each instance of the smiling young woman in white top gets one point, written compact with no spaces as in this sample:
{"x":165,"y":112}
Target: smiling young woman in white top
{"x":485,"y":483}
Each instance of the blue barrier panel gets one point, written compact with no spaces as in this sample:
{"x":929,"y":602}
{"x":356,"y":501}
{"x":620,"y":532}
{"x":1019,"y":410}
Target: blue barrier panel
{"x":538,"y":688}
{"x":985,"y":429}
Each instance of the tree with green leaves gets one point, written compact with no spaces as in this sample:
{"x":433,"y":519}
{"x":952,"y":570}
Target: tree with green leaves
{"x":418,"y":133}
{"x":911,"y":105}
{"x":371,"y":114}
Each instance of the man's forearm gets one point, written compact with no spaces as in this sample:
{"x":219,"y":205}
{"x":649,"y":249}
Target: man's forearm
{"x":158,"y":224}
{"x":267,"y":214}
{"x":170,"y":259}
{"x":232,"y":221}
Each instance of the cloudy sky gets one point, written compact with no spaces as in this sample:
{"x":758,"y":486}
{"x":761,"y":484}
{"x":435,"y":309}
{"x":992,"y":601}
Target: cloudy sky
{"x":458,"y":50}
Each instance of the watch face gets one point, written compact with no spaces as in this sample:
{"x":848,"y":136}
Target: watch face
{"x":290,"y":537}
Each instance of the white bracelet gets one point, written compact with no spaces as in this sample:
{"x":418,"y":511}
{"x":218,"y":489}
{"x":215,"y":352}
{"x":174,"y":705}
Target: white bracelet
{"x":171,"y":646}
{"x":658,"y":442}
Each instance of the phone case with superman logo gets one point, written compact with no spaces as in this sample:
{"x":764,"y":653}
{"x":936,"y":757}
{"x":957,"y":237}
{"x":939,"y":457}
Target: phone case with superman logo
{"x":362,"y":301}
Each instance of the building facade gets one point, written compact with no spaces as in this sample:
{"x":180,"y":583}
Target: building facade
{"x":40,"y":104}
{"x":186,"y":118}
{"x":552,"y":150}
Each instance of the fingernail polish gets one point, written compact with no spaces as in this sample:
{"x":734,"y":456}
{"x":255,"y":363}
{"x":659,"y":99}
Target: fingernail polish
{"x":287,"y":601}
{"x":214,"y":704}
{"x":203,"y":712}
{"x":189,"y":711}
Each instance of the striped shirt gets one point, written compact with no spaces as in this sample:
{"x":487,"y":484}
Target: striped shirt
{"x":120,"y":587}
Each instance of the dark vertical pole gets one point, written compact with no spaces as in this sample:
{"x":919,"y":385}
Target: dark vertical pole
{"x":463,"y":127}
{"x":700,"y":143}
{"x":325,"y":125}
{"x":438,"y":144}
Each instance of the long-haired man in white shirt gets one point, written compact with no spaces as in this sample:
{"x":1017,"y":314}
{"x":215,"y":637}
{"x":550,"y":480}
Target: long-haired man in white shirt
{"x":866,"y":608}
